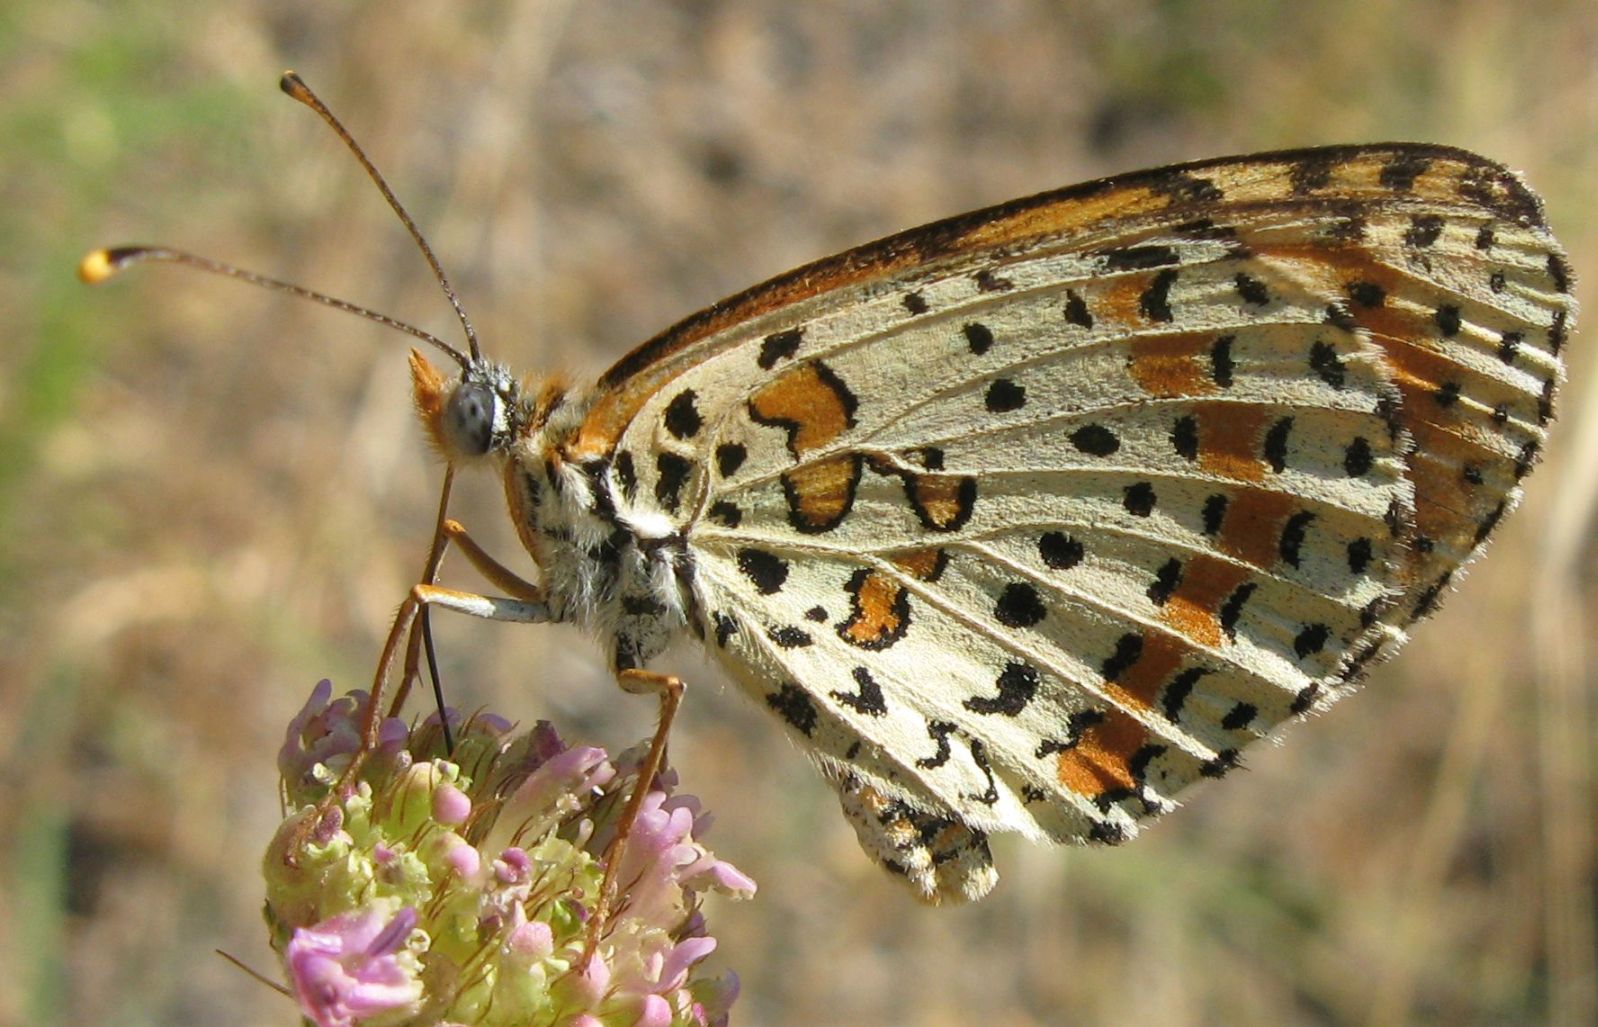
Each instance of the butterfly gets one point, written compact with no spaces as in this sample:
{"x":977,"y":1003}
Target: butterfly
{"x":1028,"y":519}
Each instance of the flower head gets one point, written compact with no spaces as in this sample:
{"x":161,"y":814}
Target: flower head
{"x":459,"y":890}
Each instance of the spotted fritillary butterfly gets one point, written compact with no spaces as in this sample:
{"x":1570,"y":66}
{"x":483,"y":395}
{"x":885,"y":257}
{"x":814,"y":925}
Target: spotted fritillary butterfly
{"x":1028,"y":519}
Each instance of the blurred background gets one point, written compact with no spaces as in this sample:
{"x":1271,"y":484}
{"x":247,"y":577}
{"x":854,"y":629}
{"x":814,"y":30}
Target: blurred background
{"x":212,"y":496}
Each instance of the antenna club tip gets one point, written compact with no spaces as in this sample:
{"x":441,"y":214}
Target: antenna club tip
{"x":96,"y":266}
{"x":292,"y":84}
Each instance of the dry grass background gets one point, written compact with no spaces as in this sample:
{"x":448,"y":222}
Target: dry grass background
{"x":211,"y":496}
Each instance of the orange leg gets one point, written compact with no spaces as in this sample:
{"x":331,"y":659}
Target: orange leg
{"x":524,"y":604}
{"x":423,"y":632}
{"x":446,"y":532}
{"x":670,"y":689}
{"x":528,"y":608}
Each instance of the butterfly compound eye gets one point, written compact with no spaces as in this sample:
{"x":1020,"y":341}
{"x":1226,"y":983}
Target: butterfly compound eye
{"x":469,"y":418}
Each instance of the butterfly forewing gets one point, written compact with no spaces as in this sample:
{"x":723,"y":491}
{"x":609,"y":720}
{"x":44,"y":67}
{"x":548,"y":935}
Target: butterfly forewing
{"x":1028,"y":519}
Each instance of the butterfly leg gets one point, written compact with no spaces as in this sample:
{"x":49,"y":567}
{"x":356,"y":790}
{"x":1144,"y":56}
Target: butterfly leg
{"x":669,"y":688}
{"x":529,"y":609}
{"x":638,"y":682}
{"x":452,"y":531}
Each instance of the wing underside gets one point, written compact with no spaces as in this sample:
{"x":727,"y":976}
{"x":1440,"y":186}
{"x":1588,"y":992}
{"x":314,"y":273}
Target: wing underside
{"x":1033,"y":531}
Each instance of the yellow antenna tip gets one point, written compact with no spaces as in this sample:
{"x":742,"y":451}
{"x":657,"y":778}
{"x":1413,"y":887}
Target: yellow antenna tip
{"x":96,"y":267}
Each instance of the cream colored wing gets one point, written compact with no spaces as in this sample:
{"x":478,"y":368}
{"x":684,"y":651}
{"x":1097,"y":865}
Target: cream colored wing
{"x":1027,"y":520}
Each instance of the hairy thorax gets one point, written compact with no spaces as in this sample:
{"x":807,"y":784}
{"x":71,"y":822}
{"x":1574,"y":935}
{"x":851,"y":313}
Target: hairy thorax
{"x":626,"y":579}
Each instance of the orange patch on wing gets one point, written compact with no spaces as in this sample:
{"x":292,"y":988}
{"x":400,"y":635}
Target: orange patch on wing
{"x":943,"y":501}
{"x":810,"y":402}
{"x":1137,"y":685}
{"x":1419,"y":373}
{"x":1169,"y":366}
{"x":1252,"y":530}
{"x":1229,"y":440}
{"x":1444,"y":508}
{"x":1101,"y":759}
{"x":879,"y":611}
{"x":1121,"y":299}
{"x":821,"y":494}
{"x":1192,"y":609}
{"x":1064,"y":216}
{"x":1327,"y":266}
{"x":924,"y":564}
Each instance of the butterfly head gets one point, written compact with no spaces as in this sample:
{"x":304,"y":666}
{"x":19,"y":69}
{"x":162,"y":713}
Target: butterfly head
{"x":468,"y":417}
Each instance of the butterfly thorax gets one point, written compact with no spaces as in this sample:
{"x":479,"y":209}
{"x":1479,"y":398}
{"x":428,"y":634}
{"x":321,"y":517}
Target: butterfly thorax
{"x":603,"y":565}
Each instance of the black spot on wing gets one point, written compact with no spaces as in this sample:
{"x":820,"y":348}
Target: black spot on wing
{"x":1004,"y":395}
{"x":1060,"y":551}
{"x":1559,"y":271}
{"x":1232,"y":609}
{"x":988,"y":281}
{"x":867,"y":696}
{"x":1558,"y":332}
{"x":1311,"y":640}
{"x":1155,"y":303}
{"x":1367,"y":294}
{"x":779,"y":346}
{"x":939,"y":730}
{"x":790,"y":637}
{"x":625,"y":474}
{"x":1359,"y":555}
{"x":673,"y":473}
{"x":1221,"y":362}
{"x":1311,"y":173}
{"x":1017,"y":684}
{"x":682,"y":418}
{"x":1184,"y":437}
{"x":1128,"y":650}
{"x":1291,"y":543}
{"x":1357,"y":458}
{"x":1423,"y":231}
{"x":794,"y":706}
{"x":1339,"y":316}
{"x":1139,"y":499}
{"x":1138,"y":258}
{"x":1095,"y":440}
{"x":1076,"y":310}
{"x":1239,"y":716}
{"x":1166,"y":580}
{"x":767,"y":571}
{"x":1399,"y":174}
{"x":1251,"y":290}
{"x":1019,"y":606}
{"x":1276,"y":444}
{"x":1179,"y":689}
{"x":1214,"y":512}
{"x":729,"y":457}
{"x":725,"y":513}
{"x":1325,"y":362}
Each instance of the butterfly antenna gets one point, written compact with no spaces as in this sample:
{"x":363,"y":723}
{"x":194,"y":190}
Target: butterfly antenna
{"x":295,"y":86}
{"x":102,"y":264}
